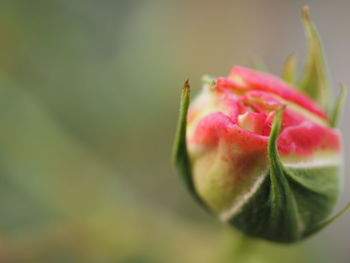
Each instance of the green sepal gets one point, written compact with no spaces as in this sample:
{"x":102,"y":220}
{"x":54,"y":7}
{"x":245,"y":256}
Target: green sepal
{"x":288,"y":73}
{"x":314,"y":80}
{"x":291,"y":201}
{"x":327,"y":222}
{"x":181,"y":158}
{"x":338,"y":107}
{"x":283,"y":208}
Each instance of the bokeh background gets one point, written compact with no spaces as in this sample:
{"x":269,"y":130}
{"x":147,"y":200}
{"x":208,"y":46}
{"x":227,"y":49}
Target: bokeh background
{"x":89,"y":95}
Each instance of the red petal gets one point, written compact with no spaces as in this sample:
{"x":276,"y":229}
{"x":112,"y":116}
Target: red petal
{"x":244,"y":78}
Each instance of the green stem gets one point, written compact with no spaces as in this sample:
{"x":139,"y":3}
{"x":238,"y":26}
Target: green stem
{"x":240,"y":247}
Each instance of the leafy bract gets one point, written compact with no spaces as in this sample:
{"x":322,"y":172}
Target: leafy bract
{"x":180,"y":154}
{"x":288,"y":73}
{"x":338,"y":107}
{"x":314,"y":80}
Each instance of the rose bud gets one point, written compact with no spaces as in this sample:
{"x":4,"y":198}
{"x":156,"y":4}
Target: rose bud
{"x":263,"y":154}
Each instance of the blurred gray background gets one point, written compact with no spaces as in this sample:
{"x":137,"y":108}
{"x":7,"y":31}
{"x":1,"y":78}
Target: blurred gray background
{"x":89,"y":96}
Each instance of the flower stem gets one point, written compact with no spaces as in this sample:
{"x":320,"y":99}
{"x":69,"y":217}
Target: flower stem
{"x":240,"y":248}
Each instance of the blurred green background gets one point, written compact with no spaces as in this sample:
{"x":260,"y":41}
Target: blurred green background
{"x":89,"y":95}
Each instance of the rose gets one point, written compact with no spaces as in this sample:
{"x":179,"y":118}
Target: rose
{"x":228,"y":130}
{"x":262,"y":155}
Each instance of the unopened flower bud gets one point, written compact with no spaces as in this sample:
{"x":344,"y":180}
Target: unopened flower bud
{"x":262,"y":155}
